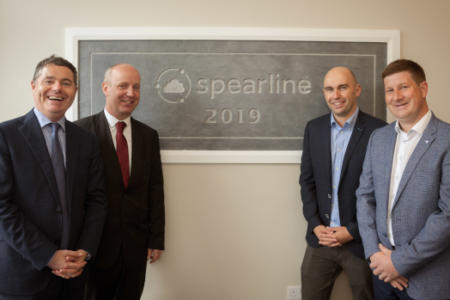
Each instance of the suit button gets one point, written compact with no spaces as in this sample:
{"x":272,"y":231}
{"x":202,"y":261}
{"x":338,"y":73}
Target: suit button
{"x":327,"y":216}
{"x":329,"y":196}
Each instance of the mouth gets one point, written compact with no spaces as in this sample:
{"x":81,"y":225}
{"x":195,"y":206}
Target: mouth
{"x":338,"y":104}
{"x":128,"y":101}
{"x":54,"y":98}
{"x":401,"y":105}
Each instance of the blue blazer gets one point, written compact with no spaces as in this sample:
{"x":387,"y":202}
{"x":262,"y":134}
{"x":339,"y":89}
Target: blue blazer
{"x":421,"y":211}
{"x":30,"y":213}
{"x":315,"y":177}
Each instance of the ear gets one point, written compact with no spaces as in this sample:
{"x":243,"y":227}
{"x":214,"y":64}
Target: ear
{"x":33,"y":85}
{"x":358,"y":90}
{"x":105,"y":88}
{"x":424,"y":88}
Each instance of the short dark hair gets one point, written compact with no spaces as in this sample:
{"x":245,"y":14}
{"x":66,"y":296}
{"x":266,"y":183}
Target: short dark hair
{"x":58,"y":61}
{"x":401,"y":65}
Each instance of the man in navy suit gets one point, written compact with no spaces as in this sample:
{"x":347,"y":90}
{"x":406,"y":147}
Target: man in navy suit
{"x":333,"y":153}
{"x":404,"y":194}
{"x":52,"y":201}
{"x":134,"y":228}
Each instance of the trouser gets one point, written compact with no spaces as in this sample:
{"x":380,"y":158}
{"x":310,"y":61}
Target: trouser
{"x":118,"y":282}
{"x":322,"y":265}
{"x":57,"y":289}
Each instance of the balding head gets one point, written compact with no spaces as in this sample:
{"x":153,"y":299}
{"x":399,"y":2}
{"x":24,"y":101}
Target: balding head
{"x":341,"y":71}
{"x":341,"y":90}
{"x":121,"y":87}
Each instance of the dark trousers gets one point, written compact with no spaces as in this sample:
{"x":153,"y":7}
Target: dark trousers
{"x":321,"y":266}
{"x":384,"y":291}
{"x":57,"y":289}
{"x":118,"y":282}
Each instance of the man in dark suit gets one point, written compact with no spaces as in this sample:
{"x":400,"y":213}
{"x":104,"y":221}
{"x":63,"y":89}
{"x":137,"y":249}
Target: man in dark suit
{"x":52,"y":201}
{"x":134,"y":230}
{"x":333,"y":153}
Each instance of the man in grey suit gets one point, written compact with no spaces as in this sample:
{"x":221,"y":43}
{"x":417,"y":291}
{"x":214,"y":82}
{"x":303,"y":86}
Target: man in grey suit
{"x":403,"y":206}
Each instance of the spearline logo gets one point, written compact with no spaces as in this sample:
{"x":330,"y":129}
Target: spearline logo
{"x":174,"y":86}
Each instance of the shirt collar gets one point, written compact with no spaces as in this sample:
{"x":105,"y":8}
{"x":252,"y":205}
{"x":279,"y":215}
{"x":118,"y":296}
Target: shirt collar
{"x":112,"y":121}
{"x":350,"y":122}
{"x":419,"y":127}
{"x":44,"y":121}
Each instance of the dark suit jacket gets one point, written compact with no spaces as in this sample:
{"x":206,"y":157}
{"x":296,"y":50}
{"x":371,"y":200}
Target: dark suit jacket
{"x":30,"y":213}
{"x":316,"y":176}
{"x":135,"y":219}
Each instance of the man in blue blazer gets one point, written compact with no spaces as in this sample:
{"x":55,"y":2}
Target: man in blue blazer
{"x":333,"y":153}
{"x":404,"y":195}
{"x":52,"y":202}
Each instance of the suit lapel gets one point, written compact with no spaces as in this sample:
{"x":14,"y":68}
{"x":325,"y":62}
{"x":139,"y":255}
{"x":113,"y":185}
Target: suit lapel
{"x":32,"y":132}
{"x":354,"y":139}
{"x":325,"y":132}
{"x":72,"y":158}
{"x":107,"y":146}
{"x":423,"y":145}
{"x":387,"y":159}
{"x":136,"y":148}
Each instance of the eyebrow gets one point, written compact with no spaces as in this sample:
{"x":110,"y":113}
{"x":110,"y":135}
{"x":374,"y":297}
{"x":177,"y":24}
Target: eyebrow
{"x":54,"y":78}
{"x":328,"y":87}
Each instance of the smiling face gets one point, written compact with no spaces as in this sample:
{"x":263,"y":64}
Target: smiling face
{"x":405,"y":98}
{"x":122,"y":90}
{"x":54,"y":91}
{"x":341,"y":91}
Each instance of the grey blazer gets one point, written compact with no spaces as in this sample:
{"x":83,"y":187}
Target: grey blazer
{"x":421,"y":211}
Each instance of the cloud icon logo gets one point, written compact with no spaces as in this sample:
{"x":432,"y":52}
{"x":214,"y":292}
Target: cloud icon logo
{"x":174,"y":87}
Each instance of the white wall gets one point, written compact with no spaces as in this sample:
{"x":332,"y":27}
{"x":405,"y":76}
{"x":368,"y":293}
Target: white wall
{"x":233,"y":231}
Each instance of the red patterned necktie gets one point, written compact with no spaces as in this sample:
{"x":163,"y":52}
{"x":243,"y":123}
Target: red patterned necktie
{"x":122,"y":152}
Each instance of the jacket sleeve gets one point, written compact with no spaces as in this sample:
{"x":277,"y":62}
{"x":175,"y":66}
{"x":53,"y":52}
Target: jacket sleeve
{"x":15,"y":228}
{"x":156,"y":198}
{"x":308,"y":185}
{"x":94,"y":202}
{"x":366,"y":205}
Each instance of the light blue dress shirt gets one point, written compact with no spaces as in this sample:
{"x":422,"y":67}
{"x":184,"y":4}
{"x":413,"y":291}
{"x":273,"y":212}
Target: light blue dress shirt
{"x":47,"y":131}
{"x":340,"y":136}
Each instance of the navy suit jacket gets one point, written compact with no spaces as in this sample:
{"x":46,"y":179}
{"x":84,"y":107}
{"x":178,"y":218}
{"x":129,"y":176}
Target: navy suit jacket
{"x":315,"y":177}
{"x":30,"y":213}
{"x":136,"y":218}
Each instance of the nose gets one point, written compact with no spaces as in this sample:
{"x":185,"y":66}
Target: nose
{"x":336,"y":93}
{"x":56,"y":85}
{"x":130,"y":92}
{"x":398,"y":94}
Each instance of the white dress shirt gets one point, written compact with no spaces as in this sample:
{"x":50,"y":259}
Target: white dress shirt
{"x":404,"y":146}
{"x":112,"y":121}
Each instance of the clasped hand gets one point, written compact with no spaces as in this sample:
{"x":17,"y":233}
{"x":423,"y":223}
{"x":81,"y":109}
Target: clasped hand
{"x":67,"y":263}
{"x":382,"y":266}
{"x":332,"y":236}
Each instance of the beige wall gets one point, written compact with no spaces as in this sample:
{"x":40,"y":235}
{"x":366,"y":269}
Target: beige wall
{"x":233,"y":231}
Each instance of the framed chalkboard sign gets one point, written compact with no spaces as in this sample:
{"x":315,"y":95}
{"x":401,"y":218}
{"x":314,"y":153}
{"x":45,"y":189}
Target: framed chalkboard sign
{"x":223,"y":95}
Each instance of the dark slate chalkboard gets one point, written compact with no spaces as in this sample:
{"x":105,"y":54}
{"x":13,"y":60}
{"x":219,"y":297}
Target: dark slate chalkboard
{"x":231,"y":95}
